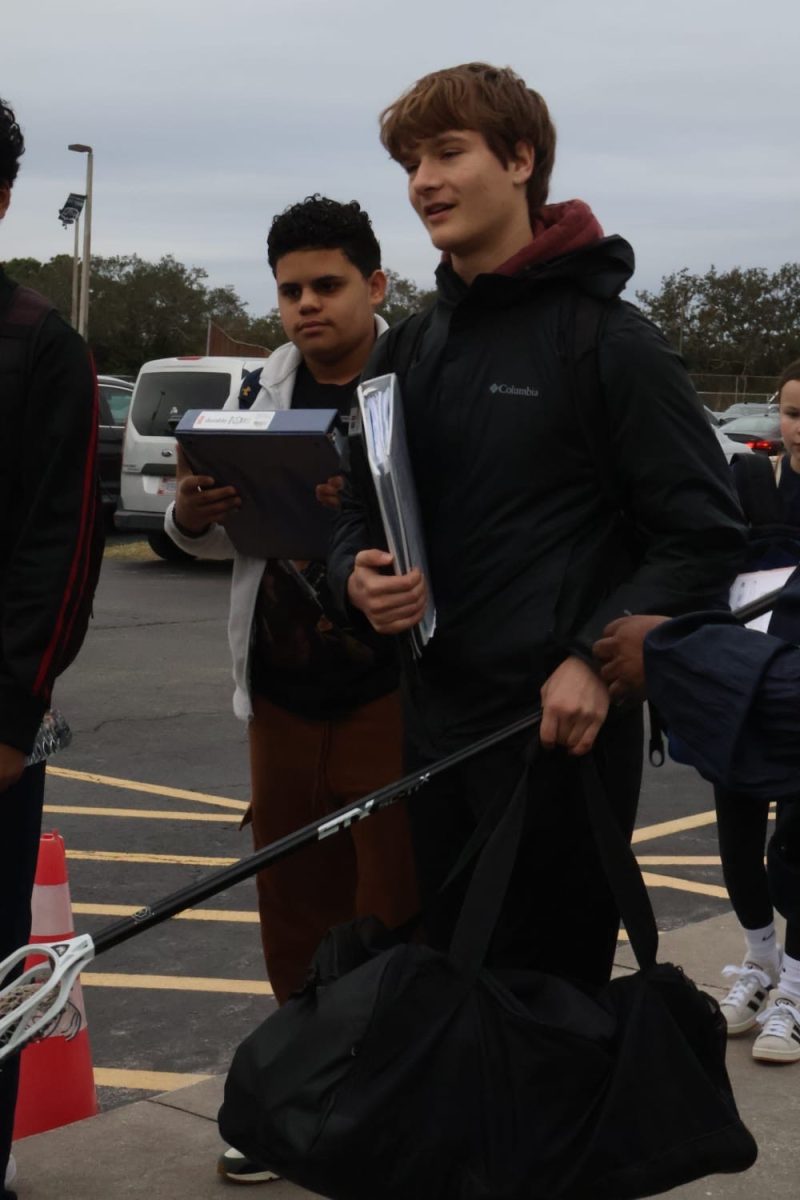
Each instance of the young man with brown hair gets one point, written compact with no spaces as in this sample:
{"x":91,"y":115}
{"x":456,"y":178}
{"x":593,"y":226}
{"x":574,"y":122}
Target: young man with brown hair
{"x":524,"y":463}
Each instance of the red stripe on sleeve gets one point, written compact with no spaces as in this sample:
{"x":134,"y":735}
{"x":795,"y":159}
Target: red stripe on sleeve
{"x":82,"y":547}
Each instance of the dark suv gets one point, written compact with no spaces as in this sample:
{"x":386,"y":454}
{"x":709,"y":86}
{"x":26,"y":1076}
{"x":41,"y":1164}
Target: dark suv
{"x":115,"y":400}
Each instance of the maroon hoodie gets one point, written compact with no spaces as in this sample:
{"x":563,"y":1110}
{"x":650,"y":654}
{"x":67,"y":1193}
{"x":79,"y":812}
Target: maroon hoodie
{"x":558,"y":229}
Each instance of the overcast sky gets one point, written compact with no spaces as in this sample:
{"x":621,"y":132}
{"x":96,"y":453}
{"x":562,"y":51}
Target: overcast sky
{"x":678,"y":120}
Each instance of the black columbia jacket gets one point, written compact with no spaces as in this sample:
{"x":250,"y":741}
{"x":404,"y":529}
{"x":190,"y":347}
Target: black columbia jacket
{"x":528,"y":556}
{"x":49,"y":525}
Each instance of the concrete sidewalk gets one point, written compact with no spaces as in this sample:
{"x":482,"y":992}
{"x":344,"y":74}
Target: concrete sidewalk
{"x":165,"y":1148}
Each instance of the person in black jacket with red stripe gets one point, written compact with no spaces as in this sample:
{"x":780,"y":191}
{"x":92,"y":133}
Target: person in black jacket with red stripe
{"x":50,"y":549}
{"x":547,"y":510}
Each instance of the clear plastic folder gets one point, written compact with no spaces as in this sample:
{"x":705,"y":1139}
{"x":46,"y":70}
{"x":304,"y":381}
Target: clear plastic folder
{"x":755,"y":584}
{"x":387,"y":453}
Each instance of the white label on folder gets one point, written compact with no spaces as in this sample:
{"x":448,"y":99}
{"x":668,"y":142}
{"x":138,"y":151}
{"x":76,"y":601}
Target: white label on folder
{"x":219,"y":419}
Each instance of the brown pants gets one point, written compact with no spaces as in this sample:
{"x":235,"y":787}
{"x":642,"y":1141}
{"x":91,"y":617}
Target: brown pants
{"x":300,"y":771}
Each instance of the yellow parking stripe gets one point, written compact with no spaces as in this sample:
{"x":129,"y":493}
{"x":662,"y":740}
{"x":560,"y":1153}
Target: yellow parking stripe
{"x":679,"y":825}
{"x":149,"y":814}
{"x":138,"y":551}
{"x":684,"y":885}
{"x":237,"y":915}
{"x":153,"y":789}
{"x":179,"y":860}
{"x":177,"y":983}
{"x":678,"y":860}
{"x":145,"y":1081}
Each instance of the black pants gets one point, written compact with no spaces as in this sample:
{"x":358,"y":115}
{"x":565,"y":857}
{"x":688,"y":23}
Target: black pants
{"x":559,"y":915}
{"x":742,"y":824}
{"x":20,"y":823}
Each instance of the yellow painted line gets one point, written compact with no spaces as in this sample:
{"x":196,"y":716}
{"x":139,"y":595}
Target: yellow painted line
{"x":149,"y":814}
{"x":684,"y":885}
{"x":240,"y":915}
{"x":145,"y":1081}
{"x":178,"y":983}
{"x":153,"y":789}
{"x":678,"y":860}
{"x":664,"y":828}
{"x":138,"y":551}
{"x":179,"y":860}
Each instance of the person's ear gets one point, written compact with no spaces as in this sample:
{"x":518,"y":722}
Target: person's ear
{"x":522,"y":163}
{"x":377,"y":284}
{"x":5,"y":198}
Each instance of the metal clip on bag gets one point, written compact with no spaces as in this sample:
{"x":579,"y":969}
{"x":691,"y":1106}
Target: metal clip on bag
{"x":400,"y":1071}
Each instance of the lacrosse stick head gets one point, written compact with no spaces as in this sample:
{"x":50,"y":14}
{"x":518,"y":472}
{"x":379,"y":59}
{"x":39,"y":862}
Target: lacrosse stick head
{"x":35,"y":1004}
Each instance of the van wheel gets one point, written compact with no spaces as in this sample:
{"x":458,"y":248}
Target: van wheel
{"x":162,"y":545}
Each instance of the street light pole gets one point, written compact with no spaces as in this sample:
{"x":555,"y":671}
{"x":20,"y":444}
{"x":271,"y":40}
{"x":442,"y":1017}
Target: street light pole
{"x":70,"y":214}
{"x":83,"y":313}
{"x":75,"y":261}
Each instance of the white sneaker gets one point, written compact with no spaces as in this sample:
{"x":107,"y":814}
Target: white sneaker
{"x":238,"y":1168}
{"x":779,"y":1040}
{"x":11,"y":1171}
{"x":748,"y":997}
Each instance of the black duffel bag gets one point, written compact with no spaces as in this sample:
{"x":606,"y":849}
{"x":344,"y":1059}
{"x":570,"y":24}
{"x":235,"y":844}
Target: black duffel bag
{"x":402,"y":1073}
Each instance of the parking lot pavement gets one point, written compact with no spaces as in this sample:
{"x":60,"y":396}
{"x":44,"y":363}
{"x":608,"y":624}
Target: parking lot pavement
{"x":149,"y":798}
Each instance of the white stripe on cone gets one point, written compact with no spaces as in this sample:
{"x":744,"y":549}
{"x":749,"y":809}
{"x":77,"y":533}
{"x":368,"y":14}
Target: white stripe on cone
{"x":51,"y":911}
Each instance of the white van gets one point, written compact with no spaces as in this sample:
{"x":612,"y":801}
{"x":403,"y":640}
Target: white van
{"x":165,"y":389}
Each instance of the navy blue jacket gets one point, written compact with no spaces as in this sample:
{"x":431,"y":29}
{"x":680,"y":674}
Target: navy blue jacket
{"x":732,"y":695}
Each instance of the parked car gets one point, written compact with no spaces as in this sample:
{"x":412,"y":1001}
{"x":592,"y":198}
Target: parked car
{"x":114,"y":397}
{"x":760,"y":433}
{"x":750,"y":408}
{"x":728,"y":446}
{"x":165,"y":389}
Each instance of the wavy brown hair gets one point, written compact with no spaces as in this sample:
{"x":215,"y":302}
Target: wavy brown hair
{"x":791,"y":373}
{"x":492,"y":100}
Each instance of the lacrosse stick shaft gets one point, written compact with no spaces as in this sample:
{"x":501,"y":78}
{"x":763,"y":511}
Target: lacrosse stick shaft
{"x":128,"y":927}
{"x":219,"y":881}
{"x":162,"y":910}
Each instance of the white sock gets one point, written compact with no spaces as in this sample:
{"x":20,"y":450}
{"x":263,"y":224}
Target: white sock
{"x":762,"y":947}
{"x":790,"y":976}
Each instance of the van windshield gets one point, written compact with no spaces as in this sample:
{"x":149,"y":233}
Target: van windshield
{"x":163,"y":397}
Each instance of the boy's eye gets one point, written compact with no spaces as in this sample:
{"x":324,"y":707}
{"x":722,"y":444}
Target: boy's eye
{"x":290,"y":293}
{"x":410,"y":167}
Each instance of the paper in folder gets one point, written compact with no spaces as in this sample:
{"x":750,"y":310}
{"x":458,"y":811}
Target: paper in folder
{"x":752,"y":585}
{"x":384,"y":435}
{"x":275,"y":461}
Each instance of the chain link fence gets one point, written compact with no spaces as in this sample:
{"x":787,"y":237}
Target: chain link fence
{"x":719,"y":392}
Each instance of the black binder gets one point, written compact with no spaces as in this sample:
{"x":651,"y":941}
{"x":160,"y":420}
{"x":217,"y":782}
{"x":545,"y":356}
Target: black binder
{"x":275,"y":460}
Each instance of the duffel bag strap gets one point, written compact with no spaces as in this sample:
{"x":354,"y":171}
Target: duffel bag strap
{"x":621,"y":868}
{"x":487,"y":888}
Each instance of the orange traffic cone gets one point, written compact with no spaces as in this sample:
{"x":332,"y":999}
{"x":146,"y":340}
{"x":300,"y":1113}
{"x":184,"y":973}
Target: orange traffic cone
{"x":56,"y":1083}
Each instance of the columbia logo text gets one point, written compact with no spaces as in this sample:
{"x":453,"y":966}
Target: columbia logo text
{"x":508,"y":389}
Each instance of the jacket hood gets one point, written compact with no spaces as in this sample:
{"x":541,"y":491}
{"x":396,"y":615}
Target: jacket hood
{"x":283,"y":362}
{"x":568,"y":247}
